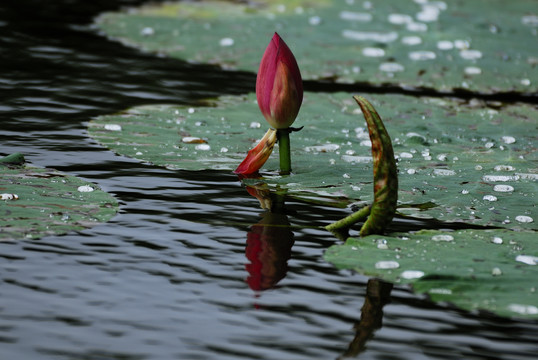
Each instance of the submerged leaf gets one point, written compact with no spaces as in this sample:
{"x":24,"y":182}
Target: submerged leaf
{"x":15,"y":159}
{"x":40,"y":202}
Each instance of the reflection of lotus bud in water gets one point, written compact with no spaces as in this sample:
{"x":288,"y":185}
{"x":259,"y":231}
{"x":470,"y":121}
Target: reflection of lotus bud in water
{"x":263,"y":194}
{"x":268,"y":248}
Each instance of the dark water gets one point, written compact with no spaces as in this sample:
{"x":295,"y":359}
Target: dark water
{"x":171,"y":276}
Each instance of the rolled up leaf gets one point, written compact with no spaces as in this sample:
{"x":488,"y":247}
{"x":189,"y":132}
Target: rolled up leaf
{"x":378,"y":215}
{"x":385,"y":172}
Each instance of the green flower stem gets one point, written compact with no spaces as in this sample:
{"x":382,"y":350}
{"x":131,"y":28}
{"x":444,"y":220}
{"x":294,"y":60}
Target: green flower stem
{"x":284,"y":151}
{"x":342,"y":226}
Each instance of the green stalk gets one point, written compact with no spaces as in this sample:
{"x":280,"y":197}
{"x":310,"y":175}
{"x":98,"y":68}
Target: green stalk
{"x":284,"y":151}
{"x":343,"y":225}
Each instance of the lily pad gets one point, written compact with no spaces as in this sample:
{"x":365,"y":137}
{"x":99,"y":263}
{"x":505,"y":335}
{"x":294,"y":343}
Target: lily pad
{"x":457,"y":162}
{"x":481,"y":45}
{"x":492,"y":270}
{"x":37,"y":202}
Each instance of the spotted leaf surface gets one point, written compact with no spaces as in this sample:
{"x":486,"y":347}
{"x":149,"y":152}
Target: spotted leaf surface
{"x":37,"y":202}
{"x":457,"y":161}
{"x":481,"y":45}
{"x":491,"y":270}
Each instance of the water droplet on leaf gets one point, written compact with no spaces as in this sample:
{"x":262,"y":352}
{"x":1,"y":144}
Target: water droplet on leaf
{"x":504,"y":168}
{"x":373,"y":52}
{"x":203,"y":147}
{"x":85,"y":188}
{"x":422,"y":55}
{"x":445,"y":45}
{"x":472,"y":70}
{"x":382,"y":244}
{"x":370,"y":36}
{"x":411,"y":40}
{"x":497,"y":178}
{"x":523,"y":309}
{"x":442,"y":237}
{"x":444,"y":172}
{"x":391,"y":67}
{"x":527,"y":259}
{"x":322,"y":148}
{"x":461,"y":44}
{"x":113,"y":127}
{"x":314,"y":20}
{"x":503,"y":188}
{"x":9,"y":196}
{"x":147,"y":31}
{"x":412,"y":274}
{"x":226,"y":42}
{"x":385,"y":265}
{"x":193,"y":140}
{"x":355,"y":16}
{"x":357,"y":159}
{"x":416,"y":26}
{"x":400,"y":19}
{"x":531,"y":20}
{"x":524,"y":219}
{"x":497,"y":240}
{"x":471,"y":54}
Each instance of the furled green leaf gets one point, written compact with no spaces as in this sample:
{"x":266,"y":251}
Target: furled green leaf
{"x":380,"y":213}
{"x":481,"y":45}
{"x":492,"y":270}
{"x":37,"y":202}
{"x":385,"y":172}
{"x":456,"y":161}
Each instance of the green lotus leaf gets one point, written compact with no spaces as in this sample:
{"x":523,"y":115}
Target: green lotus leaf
{"x":37,"y":202}
{"x":457,"y":162}
{"x":481,"y":45}
{"x":491,"y":270}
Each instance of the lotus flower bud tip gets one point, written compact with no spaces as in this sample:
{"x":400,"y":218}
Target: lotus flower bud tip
{"x":279,"y":86}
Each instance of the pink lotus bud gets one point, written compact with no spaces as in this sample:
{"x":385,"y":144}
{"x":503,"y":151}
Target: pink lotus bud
{"x":257,"y":156}
{"x":279,"y":87}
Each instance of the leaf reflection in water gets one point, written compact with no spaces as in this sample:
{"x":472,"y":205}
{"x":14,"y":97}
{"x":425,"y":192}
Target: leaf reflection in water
{"x":377,"y":296}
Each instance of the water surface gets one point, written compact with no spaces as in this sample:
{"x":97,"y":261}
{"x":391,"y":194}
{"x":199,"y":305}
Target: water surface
{"x":174,"y":275}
